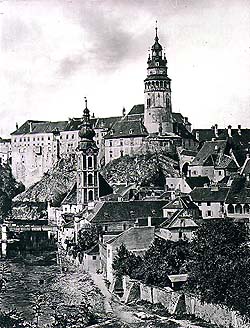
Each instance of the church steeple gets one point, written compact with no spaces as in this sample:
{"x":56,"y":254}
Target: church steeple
{"x":87,"y":168}
{"x":158,"y":109}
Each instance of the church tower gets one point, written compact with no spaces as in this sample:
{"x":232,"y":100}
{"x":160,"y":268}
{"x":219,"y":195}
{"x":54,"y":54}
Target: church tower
{"x":157,"y":92}
{"x":87,"y":168}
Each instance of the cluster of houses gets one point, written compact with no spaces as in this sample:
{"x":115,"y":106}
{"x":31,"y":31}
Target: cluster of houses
{"x":213,"y":183}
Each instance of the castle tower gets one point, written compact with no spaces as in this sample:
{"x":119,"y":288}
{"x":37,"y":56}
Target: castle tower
{"x":87,"y":169}
{"x":157,"y":92}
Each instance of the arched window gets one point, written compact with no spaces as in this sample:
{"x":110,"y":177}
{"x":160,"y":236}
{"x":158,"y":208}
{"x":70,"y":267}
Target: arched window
{"x":230,"y":209}
{"x":90,"y":179}
{"x":90,"y":162}
{"x":91,"y":195}
{"x":246,"y":209}
{"x":238,"y":209}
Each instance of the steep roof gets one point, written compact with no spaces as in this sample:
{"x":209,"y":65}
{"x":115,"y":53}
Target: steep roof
{"x":209,"y":194}
{"x":181,"y":202}
{"x":125,"y":128}
{"x":137,"y":109}
{"x":240,"y":191}
{"x":210,"y":153}
{"x":116,"y":211}
{"x":106,"y":122}
{"x":135,"y":238}
{"x":246,"y":167}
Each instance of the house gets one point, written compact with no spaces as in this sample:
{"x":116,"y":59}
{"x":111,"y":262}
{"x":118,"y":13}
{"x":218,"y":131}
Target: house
{"x":181,"y":225}
{"x":181,"y":203}
{"x":91,"y":259}
{"x":210,"y":200}
{"x":135,"y":239}
{"x":215,"y":160}
{"x":238,"y":198}
{"x":114,"y":216}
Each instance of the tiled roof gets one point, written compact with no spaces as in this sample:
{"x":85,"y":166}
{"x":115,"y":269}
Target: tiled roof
{"x":32,"y":126}
{"x":115,"y":211}
{"x":246,"y":167}
{"x":181,"y":202}
{"x":197,"y":181}
{"x":106,"y":123}
{"x":205,"y":134}
{"x":5,"y":140}
{"x":208,"y":194}
{"x":94,"y":250}
{"x":135,"y":238}
{"x":210,"y":153}
{"x":183,"y":132}
{"x":239,"y":192}
{"x":125,"y":128}
{"x":137,"y":109}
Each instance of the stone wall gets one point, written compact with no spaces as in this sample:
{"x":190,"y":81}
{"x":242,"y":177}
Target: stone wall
{"x":215,"y":314}
{"x":180,"y":303}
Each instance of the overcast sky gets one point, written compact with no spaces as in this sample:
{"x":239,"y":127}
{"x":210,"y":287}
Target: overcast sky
{"x":54,"y":53}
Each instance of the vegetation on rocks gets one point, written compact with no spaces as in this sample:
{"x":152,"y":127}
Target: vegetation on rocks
{"x":54,"y":185}
{"x":144,"y":169}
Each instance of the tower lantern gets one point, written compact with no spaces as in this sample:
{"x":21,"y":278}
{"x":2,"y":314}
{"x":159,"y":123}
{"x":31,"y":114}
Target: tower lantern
{"x":157,"y":92}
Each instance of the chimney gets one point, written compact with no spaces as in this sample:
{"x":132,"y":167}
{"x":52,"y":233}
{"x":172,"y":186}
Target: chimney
{"x":216,"y":132}
{"x":229,"y":131}
{"x":93,"y":115}
{"x":239,"y":130}
{"x":123,"y":111}
{"x":30,"y":124}
{"x":149,"y":221}
{"x":16,"y":126}
{"x":214,"y":187}
{"x":197,"y":135}
{"x":185,"y":120}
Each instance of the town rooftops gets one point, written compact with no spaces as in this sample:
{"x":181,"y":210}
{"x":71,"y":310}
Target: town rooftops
{"x":209,"y":194}
{"x":187,"y":152}
{"x":116,"y":211}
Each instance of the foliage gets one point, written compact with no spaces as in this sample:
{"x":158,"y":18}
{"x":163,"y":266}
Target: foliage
{"x":164,"y":257}
{"x":125,"y":262}
{"x":12,"y":319}
{"x":9,"y":188}
{"x":88,"y":237}
{"x":220,"y":266}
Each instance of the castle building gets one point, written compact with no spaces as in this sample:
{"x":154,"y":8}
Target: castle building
{"x":5,"y":151}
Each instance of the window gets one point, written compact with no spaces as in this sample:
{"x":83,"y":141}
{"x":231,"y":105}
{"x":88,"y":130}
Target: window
{"x":110,"y":143}
{"x":94,"y":257}
{"x":91,"y":195}
{"x":208,"y":203}
{"x":110,"y":154}
{"x":90,"y":162}
{"x":105,"y":228}
{"x":67,"y":136}
{"x":209,"y":213}
{"x":48,"y":138}
{"x":90,"y":179}
{"x":220,"y":172}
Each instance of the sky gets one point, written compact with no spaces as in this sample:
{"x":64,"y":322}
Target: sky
{"x":53,"y":53}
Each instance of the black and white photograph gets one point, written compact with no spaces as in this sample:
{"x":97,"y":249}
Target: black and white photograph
{"x":124,"y":164}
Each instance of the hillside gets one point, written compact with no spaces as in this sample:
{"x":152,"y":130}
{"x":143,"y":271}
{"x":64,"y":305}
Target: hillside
{"x":146,"y":169}
{"x":54,"y":184}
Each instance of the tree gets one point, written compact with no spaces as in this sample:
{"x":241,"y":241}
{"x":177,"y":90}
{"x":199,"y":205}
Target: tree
{"x":126,"y":263}
{"x":220,"y":265}
{"x":163,"y":258}
{"x":88,"y":237}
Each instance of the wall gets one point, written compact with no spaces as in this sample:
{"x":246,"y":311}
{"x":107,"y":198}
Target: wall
{"x":178,"y":183}
{"x":215,"y":314}
{"x":215,"y":208}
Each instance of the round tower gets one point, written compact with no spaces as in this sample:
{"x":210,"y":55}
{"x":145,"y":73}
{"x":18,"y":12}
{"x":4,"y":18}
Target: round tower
{"x":87,"y":167}
{"x":157,"y":92}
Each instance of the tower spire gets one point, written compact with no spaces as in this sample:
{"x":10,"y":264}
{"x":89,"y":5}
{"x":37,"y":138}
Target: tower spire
{"x":156,"y":30}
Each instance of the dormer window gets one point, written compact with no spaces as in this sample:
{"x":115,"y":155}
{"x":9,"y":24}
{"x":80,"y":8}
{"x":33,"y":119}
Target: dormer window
{"x":111,"y":132}
{"x":131,"y":131}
